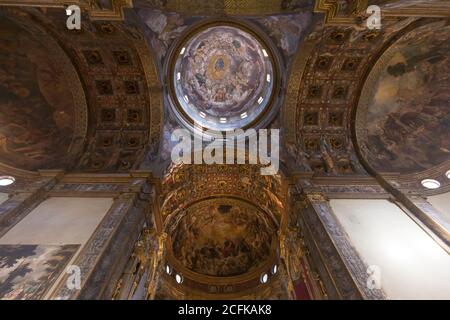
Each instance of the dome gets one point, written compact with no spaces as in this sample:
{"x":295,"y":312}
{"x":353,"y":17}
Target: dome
{"x":222,"y":78}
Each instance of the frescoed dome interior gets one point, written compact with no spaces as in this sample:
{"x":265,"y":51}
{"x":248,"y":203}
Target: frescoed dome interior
{"x":223,"y":78}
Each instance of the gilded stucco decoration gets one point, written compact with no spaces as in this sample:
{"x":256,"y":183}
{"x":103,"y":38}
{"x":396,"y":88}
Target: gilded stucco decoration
{"x":323,"y":85}
{"x":210,"y":215}
{"x":228,"y":7}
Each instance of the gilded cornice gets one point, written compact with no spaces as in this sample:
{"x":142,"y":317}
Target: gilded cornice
{"x":226,"y":7}
{"x":340,"y":13}
{"x":337,"y":14}
{"x":91,"y":6}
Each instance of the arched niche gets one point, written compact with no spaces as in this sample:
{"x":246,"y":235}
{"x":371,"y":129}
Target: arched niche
{"x":43,"y":110}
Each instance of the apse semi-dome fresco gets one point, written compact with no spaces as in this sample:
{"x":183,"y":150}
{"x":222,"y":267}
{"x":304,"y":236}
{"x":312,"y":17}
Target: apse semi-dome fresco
{"x":223,"y":237}
{"x":403,"y":117}
{"x":223,"y":78}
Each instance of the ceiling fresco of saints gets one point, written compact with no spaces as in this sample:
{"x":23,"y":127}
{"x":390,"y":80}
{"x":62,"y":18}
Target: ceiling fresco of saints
{"x":36,"y":113}
{"x":223,"y":78}
{"x":222,"y":237}
{"x":404,"y":108}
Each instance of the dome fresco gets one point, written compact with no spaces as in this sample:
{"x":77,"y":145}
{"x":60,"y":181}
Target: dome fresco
{"x":223,"y":78}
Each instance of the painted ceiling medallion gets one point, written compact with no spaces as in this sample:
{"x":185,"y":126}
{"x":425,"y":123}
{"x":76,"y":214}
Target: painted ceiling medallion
{"x":223,"y":78}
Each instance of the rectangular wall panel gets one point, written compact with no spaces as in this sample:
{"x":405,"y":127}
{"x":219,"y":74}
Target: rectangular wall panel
{"x":412,"y":265}
{"x":47,"y":240}
{"x":59,"y":221}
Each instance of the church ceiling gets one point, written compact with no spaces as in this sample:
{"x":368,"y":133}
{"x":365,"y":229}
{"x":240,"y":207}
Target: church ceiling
{"x":103,"y":99}
{"x":186,"y":184}
{"x":403,"y":113}
{"x":228,"y":7}
{"x":164,"y":30}
{"x":43,"y":111}
{"x":120,"y":85}
{"x":323,"y":91}
{"x":122,"y":54}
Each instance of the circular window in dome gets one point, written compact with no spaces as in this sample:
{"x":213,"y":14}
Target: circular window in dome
{"x":264,"y":278}
{"x":222,"y":78}
{"x":430,"y":183}
{"x":6,"y":180}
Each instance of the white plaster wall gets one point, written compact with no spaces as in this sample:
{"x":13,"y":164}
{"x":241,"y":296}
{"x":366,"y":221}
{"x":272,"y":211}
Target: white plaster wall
{"x":59,"y":220}
{"x":3,"y":197}
{"x":441,"y":202}
{"x":412,"y":265}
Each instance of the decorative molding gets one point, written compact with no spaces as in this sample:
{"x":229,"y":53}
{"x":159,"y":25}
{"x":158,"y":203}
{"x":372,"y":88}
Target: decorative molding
{"x":227,"y":7}
{"x":341,"y":12}
{"x":353,"y":12}
{"x":434,"y":8}
{"x":93,"y":7}
{"x":428,"y":218}
{"x":289,"y":108}
{"x":154,"y":88}
{"x":434,"y":214}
